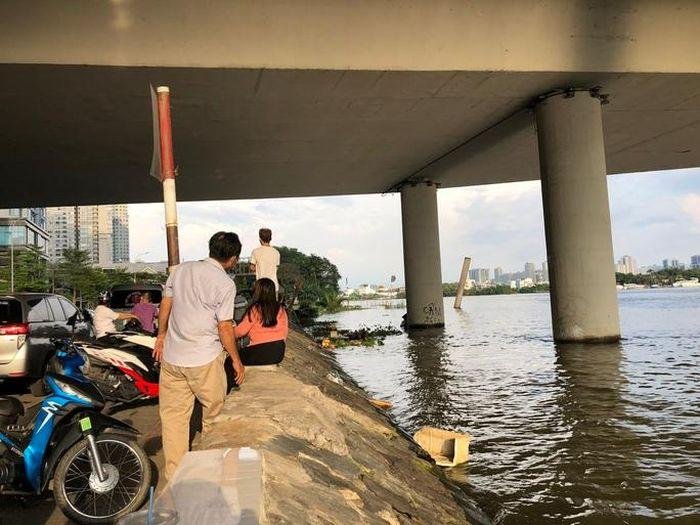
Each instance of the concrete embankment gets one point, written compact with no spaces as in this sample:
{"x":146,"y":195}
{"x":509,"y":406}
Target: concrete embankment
{"x":328,"y":455}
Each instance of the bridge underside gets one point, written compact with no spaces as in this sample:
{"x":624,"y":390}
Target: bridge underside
{"x":275,"y":98}
{"x":82,"y":134}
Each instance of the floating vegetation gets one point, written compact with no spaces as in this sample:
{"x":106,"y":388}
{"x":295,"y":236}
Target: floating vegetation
{"x":327,"y":334}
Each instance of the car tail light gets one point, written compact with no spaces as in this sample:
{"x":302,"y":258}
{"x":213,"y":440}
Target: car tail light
{"x":14,"y":329}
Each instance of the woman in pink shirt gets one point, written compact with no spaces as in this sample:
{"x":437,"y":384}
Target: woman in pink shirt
{"x":265,"y":323}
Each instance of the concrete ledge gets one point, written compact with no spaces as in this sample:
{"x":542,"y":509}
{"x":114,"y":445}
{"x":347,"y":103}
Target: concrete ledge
{"x":328,"y":455}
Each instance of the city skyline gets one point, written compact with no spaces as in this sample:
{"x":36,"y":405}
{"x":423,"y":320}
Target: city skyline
{"x":346,"y":229}
{"x":102,"y":231}
{"x":655,"y":216}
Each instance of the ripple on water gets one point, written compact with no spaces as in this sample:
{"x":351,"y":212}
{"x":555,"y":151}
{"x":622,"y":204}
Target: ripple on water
{"x":561,"y":433}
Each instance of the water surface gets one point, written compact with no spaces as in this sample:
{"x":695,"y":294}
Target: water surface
{"x":561,"y":433}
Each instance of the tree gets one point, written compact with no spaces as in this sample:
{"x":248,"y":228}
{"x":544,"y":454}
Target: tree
{"x":30,"y":270}
{"x":331,"y":301}
{"x":74,"y":273}
{"x":307,"y":280}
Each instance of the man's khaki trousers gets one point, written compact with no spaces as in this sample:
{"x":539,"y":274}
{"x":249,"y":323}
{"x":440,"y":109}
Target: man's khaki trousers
{"x":179,"y":385}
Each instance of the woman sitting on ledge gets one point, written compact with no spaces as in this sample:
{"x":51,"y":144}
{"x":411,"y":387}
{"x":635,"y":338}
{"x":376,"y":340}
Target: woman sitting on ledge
{"x":265,"y":323}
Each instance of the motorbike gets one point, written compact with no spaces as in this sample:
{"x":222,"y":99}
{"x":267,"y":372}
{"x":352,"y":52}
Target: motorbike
{"x":99,"y":473}
{"x":122,"y":366}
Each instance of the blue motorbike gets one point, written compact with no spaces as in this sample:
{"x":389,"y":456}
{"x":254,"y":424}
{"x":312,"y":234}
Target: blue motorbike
{"x":99,"y":473}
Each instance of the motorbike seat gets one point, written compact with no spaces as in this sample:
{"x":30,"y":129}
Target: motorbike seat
{"x":10,"y":410}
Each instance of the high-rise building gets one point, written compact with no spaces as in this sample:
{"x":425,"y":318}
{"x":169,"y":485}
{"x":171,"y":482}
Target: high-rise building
{"x":22,"y":228}
{"x":530,"y":270}
{"x":627,"y":265}
{"x":672,"y":264}
{"x":695,"y":262}
{"x":498,"y":274}
{"x":545,"y":272}
{"x":480,"y":275}
{"x":120,"y":233}
{"x":101,"y":231}
{"x":630,"y":264}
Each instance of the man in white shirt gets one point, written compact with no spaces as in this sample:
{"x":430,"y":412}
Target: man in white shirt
{"x":265,"y":259}
{"x":195,"y":327}
{"x":104,"y":318}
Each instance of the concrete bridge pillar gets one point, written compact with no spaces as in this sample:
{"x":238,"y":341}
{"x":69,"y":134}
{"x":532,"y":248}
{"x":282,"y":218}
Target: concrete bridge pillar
{"x":421,"y":255}
{"x":577,"y":218}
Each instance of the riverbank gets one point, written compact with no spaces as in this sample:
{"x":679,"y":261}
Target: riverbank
{"x":329,"y":456}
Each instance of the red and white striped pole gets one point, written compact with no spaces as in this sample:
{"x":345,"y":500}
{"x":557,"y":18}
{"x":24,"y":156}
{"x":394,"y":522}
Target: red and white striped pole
{"x":167,"y":175}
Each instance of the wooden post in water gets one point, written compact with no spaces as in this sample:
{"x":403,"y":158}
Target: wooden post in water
{"x":167,"y":175}
{"x":462,"y":281}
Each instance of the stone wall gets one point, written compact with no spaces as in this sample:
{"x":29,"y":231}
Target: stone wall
{"x":329,"y":456}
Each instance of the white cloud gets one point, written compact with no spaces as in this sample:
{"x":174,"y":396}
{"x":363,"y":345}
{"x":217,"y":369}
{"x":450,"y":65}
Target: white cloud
{"x":654,"y":216}
{"x":690,"y":204}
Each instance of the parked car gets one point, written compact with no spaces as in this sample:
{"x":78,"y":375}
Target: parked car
{"x":28,"y":322}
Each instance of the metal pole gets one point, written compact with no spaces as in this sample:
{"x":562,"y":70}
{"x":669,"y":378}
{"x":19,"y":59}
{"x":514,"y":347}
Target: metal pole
{"x":462,"y":281}
{"x":167,"y":175}
{"x":12,"y":258}
{"x":76,"y":227}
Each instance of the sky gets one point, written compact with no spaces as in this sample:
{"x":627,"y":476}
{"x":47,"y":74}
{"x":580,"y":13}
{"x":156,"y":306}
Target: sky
{"x":655,"y":216}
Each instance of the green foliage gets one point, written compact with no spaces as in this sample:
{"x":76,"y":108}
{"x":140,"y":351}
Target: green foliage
{"x":75,"y":276}
{"x":659,"y":278}
{"x":309,"y":281}
{"x":331,"y":301}
{"x":450,"y":290}
{"x":31,"y":272}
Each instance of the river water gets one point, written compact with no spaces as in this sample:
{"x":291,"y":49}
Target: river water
{"x":592,"y":434}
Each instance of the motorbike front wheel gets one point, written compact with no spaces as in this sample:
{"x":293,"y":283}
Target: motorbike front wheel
{"x":84,"y":498}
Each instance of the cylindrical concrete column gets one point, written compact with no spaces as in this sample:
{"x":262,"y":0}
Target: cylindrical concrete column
{"x":577,"y":218}
{"x":421,"y":255}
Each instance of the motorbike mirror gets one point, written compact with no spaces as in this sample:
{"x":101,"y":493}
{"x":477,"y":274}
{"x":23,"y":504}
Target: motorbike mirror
{"x":86,"y":315}
{"x":72,"y":322}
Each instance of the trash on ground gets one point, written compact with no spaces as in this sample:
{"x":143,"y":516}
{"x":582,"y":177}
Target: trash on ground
{"x":329,"y":336}
{"x":216,"y":486}
{"x":382,"y":404}
{"x":446,"y":447}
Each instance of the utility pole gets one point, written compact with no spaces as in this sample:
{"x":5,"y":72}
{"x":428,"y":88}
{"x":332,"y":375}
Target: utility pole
{"x":76,"y":226}
{"x":167,"y":175}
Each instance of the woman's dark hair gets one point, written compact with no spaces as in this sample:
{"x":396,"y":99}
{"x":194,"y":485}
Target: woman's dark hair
{"x":224,"y":245}
{"x":265,"y":301}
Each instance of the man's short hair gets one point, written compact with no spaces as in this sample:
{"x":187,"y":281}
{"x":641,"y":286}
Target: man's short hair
{"x":224,"y":245}
{"x":265,"y":234}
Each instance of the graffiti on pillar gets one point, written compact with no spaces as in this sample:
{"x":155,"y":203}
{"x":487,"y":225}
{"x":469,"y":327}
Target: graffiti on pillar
{"x":433,"y":313}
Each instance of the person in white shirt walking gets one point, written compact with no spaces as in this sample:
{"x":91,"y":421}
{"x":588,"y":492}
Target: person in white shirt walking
{"x":195,"y":327}
{"x":265,"y":259}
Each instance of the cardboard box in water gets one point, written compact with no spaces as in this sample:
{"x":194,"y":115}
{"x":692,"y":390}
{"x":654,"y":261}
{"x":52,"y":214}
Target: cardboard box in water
{"x":446,"y":447}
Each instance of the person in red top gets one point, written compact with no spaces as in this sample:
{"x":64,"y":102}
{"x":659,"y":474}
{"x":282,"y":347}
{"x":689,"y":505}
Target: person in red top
{"x":265,"y":323}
